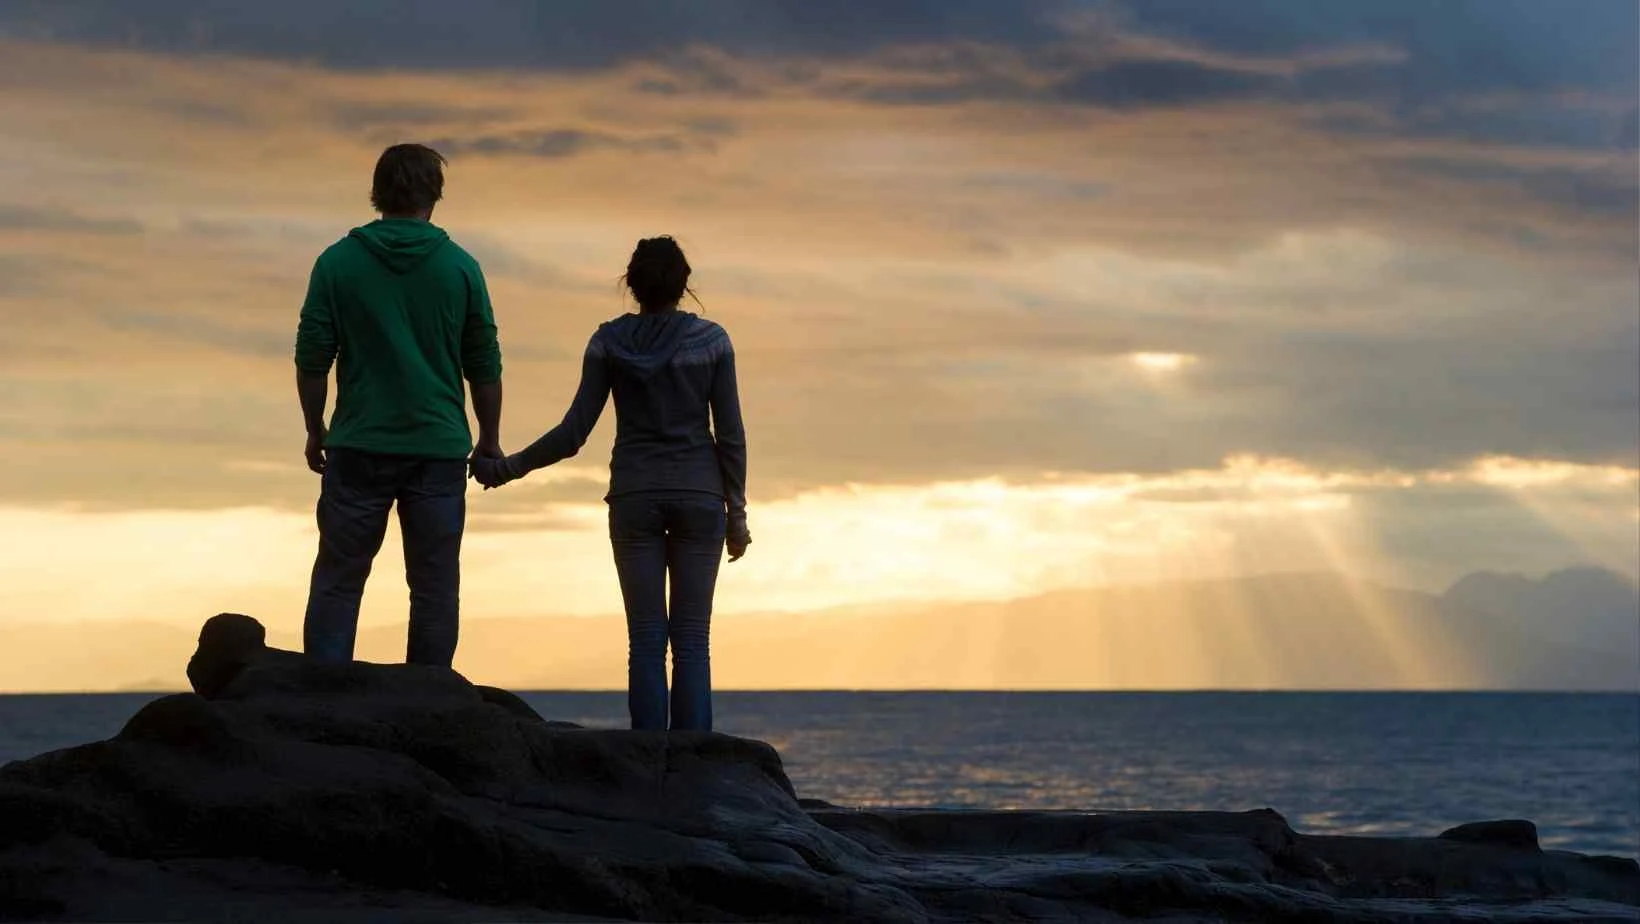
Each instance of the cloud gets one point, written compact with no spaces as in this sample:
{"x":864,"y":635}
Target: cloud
{"x":1628,"y":132}
{"x":1474,"y":45}
{"x":24,"y":218}
{"x":1484,"y":46}
{"x":510,"y":34}
{"x":1145,"y":84}
{"x":501,"y":260}
{"x":1547,"y":122}
{"x":945,"y":288}
{"x":1405,"y":54}
{"x":372,"y":115}
{"x":554,"y":143}
{"x":19,"y":276}
{"x":534,"y":521}
{"x":231,"y":338}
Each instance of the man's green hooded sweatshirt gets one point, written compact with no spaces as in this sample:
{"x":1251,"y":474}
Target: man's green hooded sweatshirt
{"x":404,"y":314}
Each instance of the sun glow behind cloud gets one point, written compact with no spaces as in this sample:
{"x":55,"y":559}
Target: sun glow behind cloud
{"x":856,"y":556}
{"x":1161,"y":362}
{"x":1584,"y":504}
{"x":853,"y":545}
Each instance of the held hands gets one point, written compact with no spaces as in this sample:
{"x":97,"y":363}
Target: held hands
{"x":492,"y":473}
{"x":488,"y":464}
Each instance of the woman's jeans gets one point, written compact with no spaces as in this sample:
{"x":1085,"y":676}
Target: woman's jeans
{"x":358,"y":490}
{"x":656,"y":536}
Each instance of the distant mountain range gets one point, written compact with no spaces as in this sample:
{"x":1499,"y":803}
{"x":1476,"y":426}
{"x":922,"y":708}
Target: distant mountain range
{"x":1577,"y":629}
{"x":1587,"y":608}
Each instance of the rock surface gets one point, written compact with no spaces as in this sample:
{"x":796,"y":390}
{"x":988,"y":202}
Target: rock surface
{"x":287,"y":790}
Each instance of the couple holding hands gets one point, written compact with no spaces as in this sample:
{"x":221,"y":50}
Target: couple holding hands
{"x":403,"y":315}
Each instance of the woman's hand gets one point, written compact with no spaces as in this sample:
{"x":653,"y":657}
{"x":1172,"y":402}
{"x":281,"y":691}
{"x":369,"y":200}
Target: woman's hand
{"x":491,"y":472}
{"x":736,"y":543}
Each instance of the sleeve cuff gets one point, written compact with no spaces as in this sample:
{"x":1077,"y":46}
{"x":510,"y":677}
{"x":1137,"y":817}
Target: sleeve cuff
{"x":513,"y":467}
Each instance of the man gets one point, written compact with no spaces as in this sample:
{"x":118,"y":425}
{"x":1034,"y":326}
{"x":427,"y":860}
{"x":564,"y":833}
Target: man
{"x":405,"y":316}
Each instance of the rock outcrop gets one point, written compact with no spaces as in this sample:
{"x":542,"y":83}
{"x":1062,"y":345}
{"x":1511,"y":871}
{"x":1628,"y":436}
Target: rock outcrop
{"x":286,"y":790}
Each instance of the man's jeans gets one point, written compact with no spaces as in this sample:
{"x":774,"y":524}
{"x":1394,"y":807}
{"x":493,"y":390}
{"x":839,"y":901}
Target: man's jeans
{"x":358,"y":490}
{"x":654,"y":536}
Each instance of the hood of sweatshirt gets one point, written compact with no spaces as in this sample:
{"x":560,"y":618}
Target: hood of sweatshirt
{"x":401,"y":244}
{"x":646,"y":343}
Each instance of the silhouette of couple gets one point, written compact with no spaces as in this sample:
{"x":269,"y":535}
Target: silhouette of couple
{"x":403,"y":314}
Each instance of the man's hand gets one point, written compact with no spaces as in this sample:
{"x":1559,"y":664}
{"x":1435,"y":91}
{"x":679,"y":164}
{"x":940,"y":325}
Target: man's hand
{"x":315,"y":451}
{"x":491,"y":473}
{"x":310,"y":390}
{"x":489,"y":466}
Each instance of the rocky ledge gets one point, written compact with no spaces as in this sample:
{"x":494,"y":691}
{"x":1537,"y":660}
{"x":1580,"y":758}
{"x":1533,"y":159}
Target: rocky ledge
{"x":292,"y":791}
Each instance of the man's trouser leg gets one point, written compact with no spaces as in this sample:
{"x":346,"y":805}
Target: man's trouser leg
{"x":354,"y":498}
{"x":432,"y":515}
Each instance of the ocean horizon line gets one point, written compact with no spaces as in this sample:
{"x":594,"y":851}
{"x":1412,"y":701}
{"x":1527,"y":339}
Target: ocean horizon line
{"x":1027,"y":691}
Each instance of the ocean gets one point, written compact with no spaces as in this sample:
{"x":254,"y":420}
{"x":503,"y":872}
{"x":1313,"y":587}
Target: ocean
{"x":1332,"y":763}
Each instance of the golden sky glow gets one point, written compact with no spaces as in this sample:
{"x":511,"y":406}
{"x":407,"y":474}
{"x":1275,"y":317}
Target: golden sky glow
{"x":1027,"y":302}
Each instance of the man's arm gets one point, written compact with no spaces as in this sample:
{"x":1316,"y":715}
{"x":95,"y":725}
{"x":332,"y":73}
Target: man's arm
{"x":481,"y":365}
{"x":487,"y":408}
{"x":311,"y":391}
{"x":316,"y":346}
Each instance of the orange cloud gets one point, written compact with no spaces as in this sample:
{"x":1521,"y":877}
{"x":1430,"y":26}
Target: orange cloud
{"x":925,"y":292}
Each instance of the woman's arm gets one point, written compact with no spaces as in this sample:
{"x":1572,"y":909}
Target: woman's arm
{"x":729,"y":433}
{"x":570,"y":435}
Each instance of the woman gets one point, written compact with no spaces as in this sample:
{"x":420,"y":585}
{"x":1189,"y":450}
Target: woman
{"x":677,"y":487}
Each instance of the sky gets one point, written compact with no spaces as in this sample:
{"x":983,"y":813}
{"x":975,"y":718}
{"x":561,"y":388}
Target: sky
{"x":1026,"y":296}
